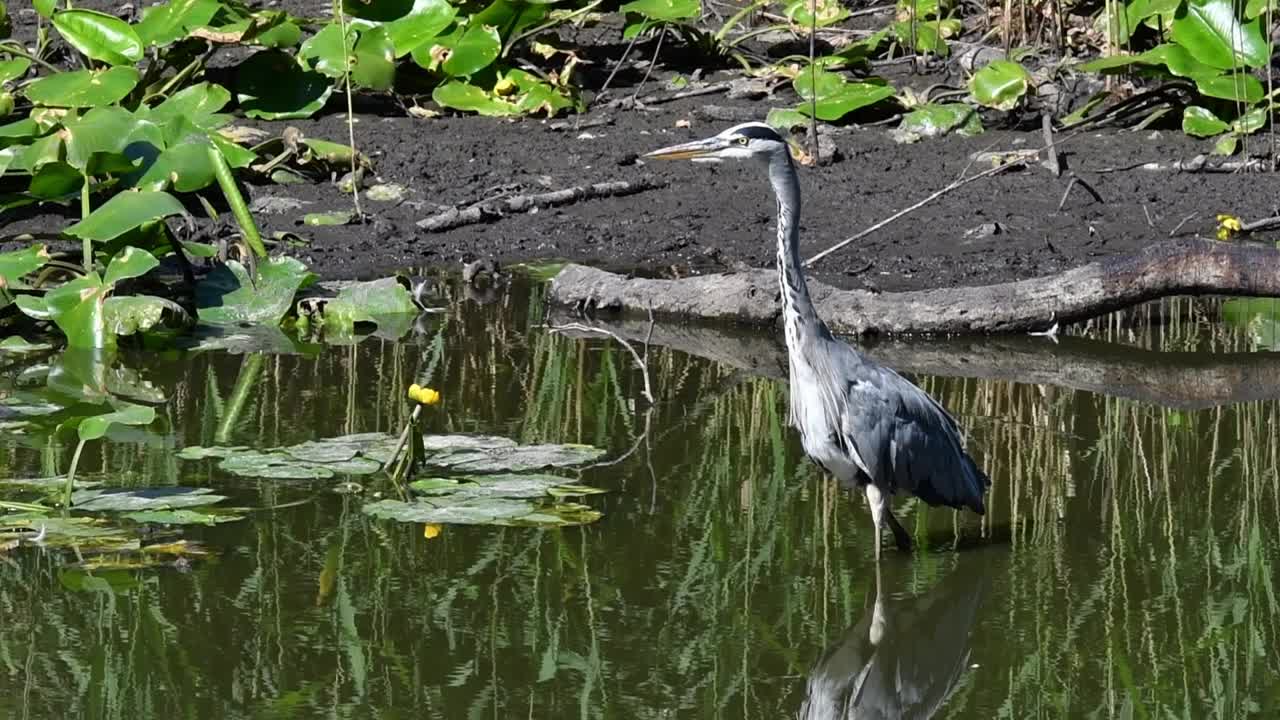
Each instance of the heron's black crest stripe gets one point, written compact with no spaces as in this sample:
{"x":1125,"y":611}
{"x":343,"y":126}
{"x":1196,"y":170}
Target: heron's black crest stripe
{"x":759,"y":132}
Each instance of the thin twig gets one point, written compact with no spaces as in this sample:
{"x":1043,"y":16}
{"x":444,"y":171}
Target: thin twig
{"x":642,"y":362}
{"x":908,"y":210}
{"x":1182,"y":222}
{"x":1055,"y":163}
{"x":662,"y":35}
{"x":609,"y":80}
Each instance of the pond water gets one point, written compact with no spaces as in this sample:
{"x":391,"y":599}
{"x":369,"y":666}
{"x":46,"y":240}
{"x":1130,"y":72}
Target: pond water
{"x":1125,"y":567}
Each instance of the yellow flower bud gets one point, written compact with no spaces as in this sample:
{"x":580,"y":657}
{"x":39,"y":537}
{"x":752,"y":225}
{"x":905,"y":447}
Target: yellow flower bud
{"x":431,"y":531}
{"x":505,"y":87}
{"x":414,"y":389}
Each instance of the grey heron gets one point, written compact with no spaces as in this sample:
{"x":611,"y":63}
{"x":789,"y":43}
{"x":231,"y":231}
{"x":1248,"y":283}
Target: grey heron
{"x":860,"y":421}
{"x":904,"y":658}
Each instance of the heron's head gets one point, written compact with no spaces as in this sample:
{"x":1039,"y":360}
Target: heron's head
{"x":751,"y":140}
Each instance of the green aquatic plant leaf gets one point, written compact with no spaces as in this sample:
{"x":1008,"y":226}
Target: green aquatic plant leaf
{"x":425,"y":21}
{"x":146,"y":499}
{"x":1211,"y":32}
{"x":1201,"y":122}
{"x":935,"y":120}
{"x":469,"y":98}
{"x":18,"y":263}
{"x":171,"y":21}
{"x":99,"y":36}
{"x":271,"y":85}
{"x":21,"y":346}
{"x":83,"y":88}
{"x":663,"y":10}
{"x":227,"y":296}
{"x":374,"y":60}
{"x":483,"y":511}
{"x":367,"y":302}
{"x":181,"y":517}
{"x":13,"y":69}
{"x":325,"y":51}
{"x":1000,"y":84}
{"x":475,"y":50}
{"x":101,"y":130}
{"x":1237,"y":87}
{"x":95,"y":427}
{"x":124,"y":212}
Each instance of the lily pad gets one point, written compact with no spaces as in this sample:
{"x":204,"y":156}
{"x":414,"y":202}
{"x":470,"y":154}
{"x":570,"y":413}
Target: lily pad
{"x":508,"y":485}
{"x":181,"y":517}
{"x":520,"y":458}
{"x":128,"y":500}
{"x":228,"y":297}
{"x":484,"y":511}
{"x":271,"y":85}
{"x":367,"y":302}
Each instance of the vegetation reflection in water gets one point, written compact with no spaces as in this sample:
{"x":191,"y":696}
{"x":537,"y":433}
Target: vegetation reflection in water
{"x":1125,"y":568}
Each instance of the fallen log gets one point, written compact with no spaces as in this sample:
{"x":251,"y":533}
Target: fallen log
{"x":1176,"y":380}
{"x":1175,"y":267}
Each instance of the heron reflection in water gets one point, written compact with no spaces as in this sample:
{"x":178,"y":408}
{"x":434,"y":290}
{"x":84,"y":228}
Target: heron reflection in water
{"x":904,"y":658}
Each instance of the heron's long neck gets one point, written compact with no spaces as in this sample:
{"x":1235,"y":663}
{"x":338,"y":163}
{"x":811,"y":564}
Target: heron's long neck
{"x":797,"y":308}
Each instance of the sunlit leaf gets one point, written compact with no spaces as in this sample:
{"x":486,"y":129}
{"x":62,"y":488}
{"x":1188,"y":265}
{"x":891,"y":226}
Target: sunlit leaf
{"x":146,"y":499}
{"x":663,"y":10}
{"x":101,"y":130}
{"x":374,"y":60}
{"x":17,"y":263}
{"x":324,"y":51}
{"x":936,"y":120}
{"x":13,"y":68}
{"x":227,"y":296}
{"x":426,"y":20}
{"x":1201,"y":122}
{"x":124,"y":212}
{"x":463,"y":96}
{"x":475,"y":50}
{"x":99,"y":36}
{"x":1000,"y":84}
{"x":83,"y":88}
{"x":367,"y":302}
{"x":1211,"y":32}
{"x":170,"y":21}
{"x":1238,"y":87}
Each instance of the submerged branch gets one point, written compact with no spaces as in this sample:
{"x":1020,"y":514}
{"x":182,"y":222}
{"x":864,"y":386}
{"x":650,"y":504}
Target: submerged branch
{"x":1177,"y":267}
{"x":1177,"y":380}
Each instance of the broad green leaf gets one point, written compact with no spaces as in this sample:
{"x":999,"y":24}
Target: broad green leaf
{"x":143,"y":499}
{"x":125,"y":212}
{"x":45,"y":7}
{"x":1178,"y":60}
{"x":534,"y":95}
{"x":323,"y":52}
{"x":99,"y":36}
{"x":824,"y":83}
{"x":1000,"y":84}
{"x":853,"y":96}
{"x":934,"y":120}
{"x":284,"y":34}
{"x":484,"y":511}
{"x":929,"y":36}
{"x":198,"y":104}
{"x":1250,"y":122}
{"x":76,"y":308}
{"x":20,"y":346}
{"x":367,"y":302}
{"x":129,"y":314}
{"x":475,"y":50}
{"x":181,"y":517}
{"x":374,"y":60}
{"x":13,"y":69}
{"x":427,"y":20}
{"x":829,"y":12}
{"x":786,"y":119}
{"x":1112,"y":62}
{"x":83,"y":88}
{"x":171,"y":21}
{"x":15,"y":264}
{"x":1238,"y":87}
{"x":270,"y":85}
{"x":1254,"y":8}
{"x":1210,"y":31}
{"x":23,"y":129}
{"x":469,"y":98}
{"x":185,"y":167}
{"x":1227,"y":145}
{"x":55,"y":180}
{"x":227,"y":296}
{"x":101,"y":130}
{"x":1201,"y":122}
{"x":130,"y":263}
{"x":328,"y":151}
{"x":663,"y":10}
{"x":95,"y":427}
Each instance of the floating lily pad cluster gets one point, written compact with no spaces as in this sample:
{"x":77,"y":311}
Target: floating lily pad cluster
{"x":492,"y":481}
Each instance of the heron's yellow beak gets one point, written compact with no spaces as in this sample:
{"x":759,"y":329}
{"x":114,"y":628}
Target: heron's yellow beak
{"x":688,"y":151}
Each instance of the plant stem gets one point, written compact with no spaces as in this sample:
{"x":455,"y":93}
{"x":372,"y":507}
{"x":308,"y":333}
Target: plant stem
{"x":250,"y":367}
{"x":351,"y":129}
{"x":14,"y":48}
{"x":222,"y":171}
{"x":71,"y":474}
{"x":86,"y":244}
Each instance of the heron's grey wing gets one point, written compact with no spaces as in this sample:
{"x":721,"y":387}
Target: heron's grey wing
{"x":904,"y":439}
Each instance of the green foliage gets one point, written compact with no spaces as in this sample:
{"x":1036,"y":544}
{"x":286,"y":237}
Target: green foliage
{"x":1000,"y":84}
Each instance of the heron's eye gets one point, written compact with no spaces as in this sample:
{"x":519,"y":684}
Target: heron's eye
{"x":743,"y":141}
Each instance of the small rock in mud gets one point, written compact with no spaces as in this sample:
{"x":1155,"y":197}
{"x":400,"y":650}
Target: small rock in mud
{"x":274,"y":204}
{"x":988,"y":229}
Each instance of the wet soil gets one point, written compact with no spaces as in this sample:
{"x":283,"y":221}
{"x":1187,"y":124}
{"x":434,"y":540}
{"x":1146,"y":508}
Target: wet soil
{"x":711,"y":218}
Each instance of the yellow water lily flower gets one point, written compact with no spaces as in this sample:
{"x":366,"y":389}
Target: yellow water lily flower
{"x":423,"y":395}
{"x":1228,"y":225}
{"x":431,"y":531}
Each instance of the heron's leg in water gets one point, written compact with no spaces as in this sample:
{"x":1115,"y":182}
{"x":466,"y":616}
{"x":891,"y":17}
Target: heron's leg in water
{"x":900,"y":534}
{"x":879,"y":503}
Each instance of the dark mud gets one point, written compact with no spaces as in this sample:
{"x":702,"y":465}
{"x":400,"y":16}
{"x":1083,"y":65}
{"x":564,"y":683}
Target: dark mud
{"x":713,"y":218}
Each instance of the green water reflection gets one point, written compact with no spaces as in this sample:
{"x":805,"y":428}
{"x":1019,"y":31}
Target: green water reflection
{"x":1125,"y":568}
